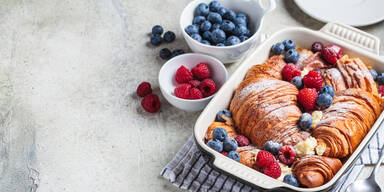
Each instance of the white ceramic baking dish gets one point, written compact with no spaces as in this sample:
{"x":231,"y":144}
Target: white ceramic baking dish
{"x":355,"y":43}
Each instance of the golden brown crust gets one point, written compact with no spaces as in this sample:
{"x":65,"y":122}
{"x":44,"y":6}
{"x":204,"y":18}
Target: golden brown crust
{"x":230,"y":130}
{"x":271,"y":68}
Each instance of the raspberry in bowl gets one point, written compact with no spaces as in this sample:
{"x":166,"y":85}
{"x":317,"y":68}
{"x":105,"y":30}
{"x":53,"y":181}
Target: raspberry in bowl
{"x":189,"y":81}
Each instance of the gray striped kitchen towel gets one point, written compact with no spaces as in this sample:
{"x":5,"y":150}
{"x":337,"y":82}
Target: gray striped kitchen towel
{"x":190,"y":169}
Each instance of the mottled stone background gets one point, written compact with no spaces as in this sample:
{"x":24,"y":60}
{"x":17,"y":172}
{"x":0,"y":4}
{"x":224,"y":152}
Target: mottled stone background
{"x":70,"y":120}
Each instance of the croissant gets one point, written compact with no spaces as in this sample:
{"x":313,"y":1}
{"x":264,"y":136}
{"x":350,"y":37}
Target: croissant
{"x":309,"y":61}
{"x":315,"y":171}
{"x":248,"y":155}
{"x":230,"y":130}
{"x":346,"y":122}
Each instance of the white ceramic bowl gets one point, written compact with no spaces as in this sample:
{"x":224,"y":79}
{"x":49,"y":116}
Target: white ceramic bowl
{"x":255,"y":12}
{"x":167,"y":81}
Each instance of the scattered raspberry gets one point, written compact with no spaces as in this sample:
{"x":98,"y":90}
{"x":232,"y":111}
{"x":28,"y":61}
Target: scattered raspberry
{"x":201,"y":71}
{"x":307,"y":98}
{"x":151,"y":103}
{"x":224,"y":153}
{"x":381,"y":90}
{"x":313,"y":80}
{"x":195,"y":93}
{"x":242,"y":140}
{"x":273,"y":170}
{"x":290,"y":71}
{"x":331,"y":53}
{"x":183,"y":75}
{"x":264,"y":159}
{"x":194,"y":83}
{"x":182,"y":91}
{"x":207,"y":87}
{"x":144,"y":89}
{"x":287,"y":155}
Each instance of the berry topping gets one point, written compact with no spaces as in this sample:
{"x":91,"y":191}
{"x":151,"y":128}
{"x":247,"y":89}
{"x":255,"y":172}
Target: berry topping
{"x":324,"y":100}
{"x":194,"y":83}
{"x":331,"y":53}
{"x":328,"y":89}
{"x":291,"y":56}
{"x":195,"y":93}
{"x":165,"y":53}
{"x":381,"y":90}
{"x":289,"y":44}
{"x":305,"y":121}
{"x":157,"y":29}
{"x":144,"y":89}
{"x":298,"y":82}
{"x":277,"y":49}
{"x":219,"y":134}
{"x":317,"y":47}
{"x":183,"y":75}
{"x":380,"y":79}
{"x":177,"y":52}
{"x":292,"y":180}
{"x":274,"y":170}
{"x":224,"y":153}
{"x":202,"y":9}
{"x":183,"y":91}
{"x":242,"y":140}
{"x":230,"y":144}
{"x":151,"y":103}
{"x":290,"y":71}
{"x":207,"y":87}
{"x":313,"y":80}
{"x":264,"y":159}
{"x":198,"y":20}
{"x":234,"y":155}
{"x":272,"y":147}
{"x":223,"y":115}
{"x":287,"y":155}
{"x":374,"y":74}
{"x":169,"y":36}
{"x":201,"y":71}
{"x":307,"y":98}
{"x":156,"y":39}
{"x":215,"y":145}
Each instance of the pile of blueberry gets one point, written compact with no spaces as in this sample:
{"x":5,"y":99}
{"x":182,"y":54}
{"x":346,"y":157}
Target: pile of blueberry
{"x":215,"y":25}
{"x":168,"y":37}
{"x":222,"y":143}
{"x":291,"y":55}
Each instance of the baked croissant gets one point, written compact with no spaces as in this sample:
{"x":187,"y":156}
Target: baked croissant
{"x":248,"y":156}
{"x":346,"y":122}
{"x":315,"y":171}
{"x":230,"y":130}
{"x":309,"y":61}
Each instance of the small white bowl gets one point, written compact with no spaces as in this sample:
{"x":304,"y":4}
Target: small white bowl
{"x":167,"y":79}
{"x":228,"y":54}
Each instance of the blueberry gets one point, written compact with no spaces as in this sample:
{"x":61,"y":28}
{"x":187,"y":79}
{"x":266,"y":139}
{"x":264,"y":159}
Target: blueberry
{"x":227,"y":26}
{"x":380,"y":79}
{"x":324,"y":100}
{"x":244,"y":16}
{"x":328,"y":89}
{"x":234,"y":155}
{"x":277,"y":49}
{"x":205,"y":42}
{"x":205,"y":26}
{"x":317,"y":47}
{"x":169,"y":36}
{"x":207,"y":35}
{"x":232,"y":40}
{"x":215,"y":145}
{"x":298,"y":82}
{"x":215,"y":26}
{"x":177,"y":52}
{"x":272,"y":147}
{"x":220,"y":45}
{"x":214,"y":6}
{"x":240,"y":21}
{"x":243,"y":38}
{"x":157,"y":29}
{"x":292,"y":56}
{"x":222,"y":11}
{"x":223,"y":115}
{"x":305,"y":121}
{"x":240,"y":30}
{"x":218,"y":36}
{"x":202,"y":9}
{"x":230,"y":15}
{"x":198,"y":20}
{"x":196,"y":37}
{"x":191,"y":29}
{"x":219,"y":134}
{"x":156,"y":39}
{"x":289,"y":44}
{"x":247,"y":33}
{"x":291,"y":179}
{"x":165,"y":53}
{"x":215,"y":18}
{"x":374,"y":74}
{"x":229,"y":144}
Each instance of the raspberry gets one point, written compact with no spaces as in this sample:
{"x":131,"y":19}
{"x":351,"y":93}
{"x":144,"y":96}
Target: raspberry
{"x":381,"y":90}
{"x":201,"y":71}
{"x":183,"y":75}
{"x":242,"y":140}
{"x":195,"y":93}
{"x":273,"y":170}
{"x":207,"y":87}
{"x":151,"y":103}
{"x":194,"y":83}
{"x":331,"y":53}
{"x":224,"y":153}
{"x":313,"y":80}
{"x":287,"y":155}
{"x":264,"y":159}
{"x":290,"y":71}
{"x":144,"y":89}
{"x":182,"y":91}
{"x":307,"y":98}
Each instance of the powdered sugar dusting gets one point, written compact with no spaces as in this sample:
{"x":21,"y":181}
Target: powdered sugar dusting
{"x":257,"y":87}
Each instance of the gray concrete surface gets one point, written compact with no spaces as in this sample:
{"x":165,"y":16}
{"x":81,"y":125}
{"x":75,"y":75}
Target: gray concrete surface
{"x":70,"y":120}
